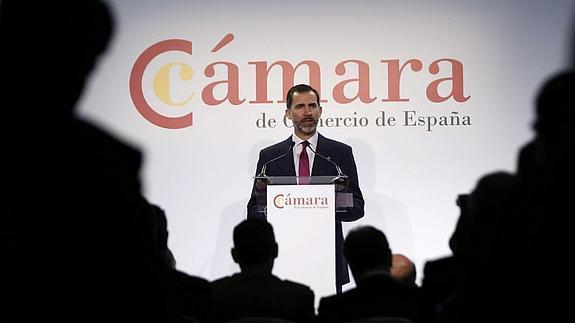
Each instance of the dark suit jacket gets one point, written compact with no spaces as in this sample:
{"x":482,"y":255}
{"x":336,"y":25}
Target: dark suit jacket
{"x":244,"y":295}
{"x":189,"y":296}
{"x":439,"y":288}
{"x":378,"y":295}
{"x":339,"y":153}
{"x":76,"y":207}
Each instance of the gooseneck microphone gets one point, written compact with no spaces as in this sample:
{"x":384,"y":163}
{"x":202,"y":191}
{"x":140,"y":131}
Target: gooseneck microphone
{"x":337,"y":168}
{"x":263,"y":170}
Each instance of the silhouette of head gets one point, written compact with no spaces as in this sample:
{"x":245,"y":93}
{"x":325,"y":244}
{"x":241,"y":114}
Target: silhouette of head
{"x":491,"y":213}
{"x":366,"y":248}
{"x":403,"y":269}
{"x":457,"y":242}
{"x":48,"y":49}
{"x":553,"y":125}
{"x":254,"y":243}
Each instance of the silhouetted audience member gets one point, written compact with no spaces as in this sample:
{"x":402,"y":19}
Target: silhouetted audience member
{"x":377,"y":293}
{"x":188,"y":296}
{"x":403,"y":269}
{"x":439,"y":298}
{"x":496,"y":243}
{"x":76,"y":222}
{"x":441,"y":277}
{"x":546,"y":171}
{"x":529,"y":168}
{"x":555,"y":133}
{"x":476,"y":283}
{"x":255,"y":291}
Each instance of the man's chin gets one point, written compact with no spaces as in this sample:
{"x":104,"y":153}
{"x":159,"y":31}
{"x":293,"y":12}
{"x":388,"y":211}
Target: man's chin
{"x":309,"y":130}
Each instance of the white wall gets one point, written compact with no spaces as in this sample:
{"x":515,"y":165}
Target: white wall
{"x":410,"y":177}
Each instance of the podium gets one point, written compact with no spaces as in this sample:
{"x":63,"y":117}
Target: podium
{"x":339,"y":182}
{"x":303,"y":217}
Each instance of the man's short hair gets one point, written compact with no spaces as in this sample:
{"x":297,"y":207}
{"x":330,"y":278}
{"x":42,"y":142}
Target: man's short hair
{"x":254,"y":241}
{"x":366,"y":247}
{"x":300,"y":88}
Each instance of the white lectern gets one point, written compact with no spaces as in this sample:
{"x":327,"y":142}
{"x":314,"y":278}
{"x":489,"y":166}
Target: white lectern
{"x":303,"y":217}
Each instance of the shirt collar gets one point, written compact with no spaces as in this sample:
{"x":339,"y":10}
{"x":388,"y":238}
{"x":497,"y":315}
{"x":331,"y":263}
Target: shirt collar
{"x":312,"y":140}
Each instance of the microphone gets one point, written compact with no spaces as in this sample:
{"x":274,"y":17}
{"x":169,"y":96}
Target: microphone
{"x":339,"y":172}
{"x":263,"y":170}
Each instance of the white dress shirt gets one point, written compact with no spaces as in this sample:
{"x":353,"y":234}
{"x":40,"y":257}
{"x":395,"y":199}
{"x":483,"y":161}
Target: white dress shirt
{"x":297,"y":148}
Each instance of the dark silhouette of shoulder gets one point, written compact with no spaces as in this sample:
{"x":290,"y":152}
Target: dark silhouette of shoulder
{"x":379,"y":295}
{"x":244,"y":295}
{"x":190,"y":296}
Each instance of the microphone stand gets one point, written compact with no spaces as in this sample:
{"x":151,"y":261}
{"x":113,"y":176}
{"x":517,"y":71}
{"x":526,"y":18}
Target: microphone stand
{"x":341,"y":180}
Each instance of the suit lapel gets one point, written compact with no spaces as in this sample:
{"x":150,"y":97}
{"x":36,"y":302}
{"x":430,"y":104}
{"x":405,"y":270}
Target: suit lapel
{"x":322,"y":167}
{"x":287,"y":165}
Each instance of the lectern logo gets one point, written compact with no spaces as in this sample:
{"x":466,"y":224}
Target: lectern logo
{"x":281,"y":201}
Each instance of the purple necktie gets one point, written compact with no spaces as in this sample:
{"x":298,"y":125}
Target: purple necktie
{"x":304,"y":164}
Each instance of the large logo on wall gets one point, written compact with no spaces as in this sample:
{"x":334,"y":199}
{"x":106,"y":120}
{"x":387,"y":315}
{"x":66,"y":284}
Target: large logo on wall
{"x":352,"y":74}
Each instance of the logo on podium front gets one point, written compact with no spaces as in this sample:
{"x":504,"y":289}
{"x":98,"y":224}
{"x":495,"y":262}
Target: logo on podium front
{"x":313,"y":199}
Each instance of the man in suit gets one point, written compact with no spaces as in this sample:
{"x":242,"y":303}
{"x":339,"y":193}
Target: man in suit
{"x":377,"y":292}
{"x":256,"y":292}
{"x":304,"y":110}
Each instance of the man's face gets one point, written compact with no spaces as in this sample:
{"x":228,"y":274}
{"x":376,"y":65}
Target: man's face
{"x":304,"y":114}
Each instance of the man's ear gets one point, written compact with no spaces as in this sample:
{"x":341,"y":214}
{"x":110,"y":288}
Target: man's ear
{"x":288,"y":113}
{"x":235,"y":256}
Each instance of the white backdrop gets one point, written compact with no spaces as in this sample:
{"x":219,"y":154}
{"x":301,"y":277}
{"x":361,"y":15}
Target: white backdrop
{"x":409,"y":175}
